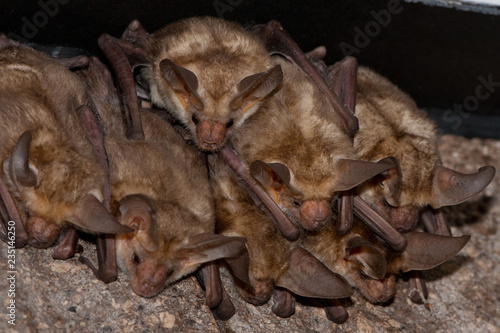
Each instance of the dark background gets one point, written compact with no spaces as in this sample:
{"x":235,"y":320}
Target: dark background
{"x":436,"y":54}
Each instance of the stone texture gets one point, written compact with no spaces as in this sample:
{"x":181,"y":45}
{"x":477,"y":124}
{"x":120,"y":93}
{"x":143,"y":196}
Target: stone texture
{"x":64,"y":296}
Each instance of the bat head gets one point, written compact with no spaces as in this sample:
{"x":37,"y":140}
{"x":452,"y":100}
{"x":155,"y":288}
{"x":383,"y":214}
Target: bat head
{"x":211,"y":74}
{"x":311,"y":205}
{"x":210,"y":111}
{"x":400,"y":205}
{"x":153,"y":258}
{"x":57,"y":184}
{"x":372,"y":267}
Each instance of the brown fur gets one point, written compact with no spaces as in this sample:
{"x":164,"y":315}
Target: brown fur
{"x":237,"y":215}
{"x":295,"y":127}
{"x":392,"y":125}
{"x":220,"y":54}
{"x":330,"y":248}
{"x":168,"y":171}
{"x":39,"y":95}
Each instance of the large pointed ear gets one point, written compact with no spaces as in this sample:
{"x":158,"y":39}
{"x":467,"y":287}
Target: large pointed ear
{"x":239,"y":265}
{"x":370,"y":260}
{"x":425,"y":251}
{"x":254,"y":88}
{"x":207,"y":247}
{"x":351,"y":173}
{"x":452,"y":187}
{"x":138,"y":211}
{"x":184,"y":82}
{"x":91,"y":215}
{"x":307,"y":276}
{"x":268,"y":173}
{"x":19,"y":169}
{"x":391,"y":183}
{"x":271,"y":174}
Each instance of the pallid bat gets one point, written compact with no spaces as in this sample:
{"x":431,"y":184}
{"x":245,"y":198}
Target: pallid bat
{"x":297,"y":151}
{"x":367,"y":262}
{"x":160,"y":189}
{"x":49,"y":165}
{"x":278,"y":41}
{"x":209,"y":73}
{"x":273,"y":261}
{"x":392,"y":125}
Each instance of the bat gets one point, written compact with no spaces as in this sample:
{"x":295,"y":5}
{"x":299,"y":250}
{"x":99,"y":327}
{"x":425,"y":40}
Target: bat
{"x":370,"y":265}
{"x":391,"y":123}
{"x":279,"y":42}
{"x":49,"y":166}
{"x":159,"y":187}
{"x":295,"y":148}
{"x":209,"y":73}
{"x":272,"y":262}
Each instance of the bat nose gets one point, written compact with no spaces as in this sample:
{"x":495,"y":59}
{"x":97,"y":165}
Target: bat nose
{"x":210,"y":135}
{"x":315,"y":214}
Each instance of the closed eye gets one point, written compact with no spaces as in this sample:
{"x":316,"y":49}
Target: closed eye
{"x":136,"y":259}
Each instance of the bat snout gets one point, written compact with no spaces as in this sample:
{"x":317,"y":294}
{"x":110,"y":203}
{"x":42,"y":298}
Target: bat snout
{"x":315,"y":214}
{"x":41,"y":234}
{"x":210,"y":135}
{"x":150,"y":280}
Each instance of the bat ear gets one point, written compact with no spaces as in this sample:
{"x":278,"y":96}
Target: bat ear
{"x":91,"y":215}
{"x":184,"y":82}
{"x":425,"y":251}
{"x":370,"y":260}
{"x":138,"y":211}
{"x":239,"y":265}
{"x":254,"y":88}
{"x":392,"y":181}
{"x":208,"y":247}
{"x":351,"y":173}
{"x":272,"y":176}
{"x":18,"y":163}
{"x":452,"y":187}
{"x":307,"y":276}
{"x":267,"y":173}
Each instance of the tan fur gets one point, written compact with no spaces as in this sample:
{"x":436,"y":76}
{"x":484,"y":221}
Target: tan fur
{"x":39,"y":95}
{"x":330,"y":248}
{"x":390,"y":124}
{"x":168,"y":171}
{"x":237,"y":215}
{"x":296,"y":127}
{"x":219,"y":53}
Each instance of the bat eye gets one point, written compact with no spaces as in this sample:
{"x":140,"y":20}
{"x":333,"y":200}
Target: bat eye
{"x":296,"y":203}
{"x":135,"y":259}
{"x":230,"y":124}
{"x":195,"y":119}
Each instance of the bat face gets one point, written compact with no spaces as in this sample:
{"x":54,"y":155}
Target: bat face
{"x":370,"y":265}
{"x":298,"y":152}
{"x":392,"y":125}
{"x":211,"y":74}
{"x":47,"y":160}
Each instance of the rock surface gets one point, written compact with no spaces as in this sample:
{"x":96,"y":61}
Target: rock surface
{"x":464,"y":293}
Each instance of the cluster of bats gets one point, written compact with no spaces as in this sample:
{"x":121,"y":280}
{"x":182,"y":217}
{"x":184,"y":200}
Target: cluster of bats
{"x":224,"y":145}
